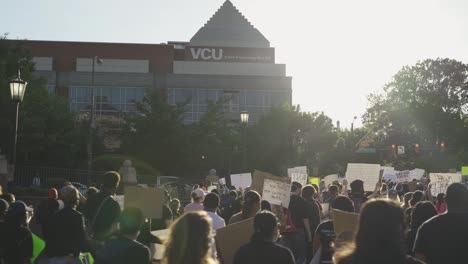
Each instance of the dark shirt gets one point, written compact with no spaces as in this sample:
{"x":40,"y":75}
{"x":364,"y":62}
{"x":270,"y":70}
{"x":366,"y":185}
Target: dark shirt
{"x":122,"y":250}
{"x":352,"y":260}
{"x":15,"y":244}
{"x":410,"y":237}
{"x":45,"y":212}
{"x":326,"y":234}
{"x":68,"y":236}
{"x":358,"y":201}
{"x":313,"y":214}
{"x":298,"y":209}
{"x":145,"y":237}
{"x":109,"y":214}
{"x":258,"y":251}
{"x":444,"y":238}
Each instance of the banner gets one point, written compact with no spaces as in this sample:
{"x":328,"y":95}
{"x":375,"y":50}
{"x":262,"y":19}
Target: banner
{"x":230,"y":238}
{"x":368,"y":173}
{"x":329,"y":179}
{"x":241,"y":181}
{"x":440,"y":181}
{"x":298,"y":174}
{"x":402,"y":176}
{"x":260,"y":176}
{"x":277,"y":192}
{"x":344,"y":222}
{"x":149,"y":200}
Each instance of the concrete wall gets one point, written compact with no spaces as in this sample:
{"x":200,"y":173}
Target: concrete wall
{"x":228,"y":68}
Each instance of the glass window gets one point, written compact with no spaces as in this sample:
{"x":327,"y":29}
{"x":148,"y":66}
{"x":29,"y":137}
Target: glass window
{"x":205,"y":96}
{"x":182,"y":95}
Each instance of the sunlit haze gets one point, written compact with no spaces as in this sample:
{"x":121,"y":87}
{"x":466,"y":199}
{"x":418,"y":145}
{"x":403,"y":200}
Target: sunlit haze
{"x":336,"y":51}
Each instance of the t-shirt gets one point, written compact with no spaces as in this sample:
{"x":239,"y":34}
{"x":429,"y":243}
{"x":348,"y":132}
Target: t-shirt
{"x":15,"y":243}
{"x":358,"y":201}
{"x":326,"y":234}
{"x":313,"y":214}
{"x":122,"y":250}
{"x":218,"y":221}
{"x":297,"y":207}
{"x":191,"y":207}
{"x":236,"y":218}
{"x":258,"y":251}
{"x":106,"y":217}
{"x":444,"y":238}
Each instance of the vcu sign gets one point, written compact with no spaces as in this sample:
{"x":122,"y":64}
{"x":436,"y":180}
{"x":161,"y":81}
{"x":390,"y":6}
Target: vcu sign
{"x":207,"y":53}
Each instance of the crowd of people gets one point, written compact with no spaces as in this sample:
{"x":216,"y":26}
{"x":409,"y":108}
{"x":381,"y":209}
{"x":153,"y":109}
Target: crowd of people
{"x":395,"y":226}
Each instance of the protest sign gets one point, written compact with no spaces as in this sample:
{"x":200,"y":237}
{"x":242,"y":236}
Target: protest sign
{"x":325,"y":209}
{"x":230,"y":238}
{"x":260,"y":176}
{"x":329,"y":179}
{"x":149,"y":200}
{"x":344,"y":222}
{"x":241,"y":181}
{"x":277,"y":192}
{"x":120,"y":200}
{"x":314,"y":181}
{"x":211,"y":188}
{"x":298,"y":174}
{"x":368,"y":173}
{"x":440,"y":181}
{"x":464,"y":170}
{"x":416,"y":174}
{"x":222,"y":181}
{"x":389,"y":174}
{"x":159,"y":249}
{"x":402,"y":176}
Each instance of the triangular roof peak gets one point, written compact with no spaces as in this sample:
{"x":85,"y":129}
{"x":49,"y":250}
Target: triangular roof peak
{"x":229,"y":28}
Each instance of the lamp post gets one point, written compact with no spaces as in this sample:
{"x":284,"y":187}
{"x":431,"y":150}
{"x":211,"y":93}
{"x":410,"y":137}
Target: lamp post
{"x":92,"y":125}
{"x":244,"y":118}
{"x":17,"y":89}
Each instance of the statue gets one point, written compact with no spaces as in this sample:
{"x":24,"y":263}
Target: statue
{"x":212,"y":178}
{"x":128,"y":173}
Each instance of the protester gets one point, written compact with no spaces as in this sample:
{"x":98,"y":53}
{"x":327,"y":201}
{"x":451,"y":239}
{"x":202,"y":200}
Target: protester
{"x":3,"y":209}
{"x":197,"y":201}
{"x":416,"y":198}
{"x":357,"y":194}
{"x":324,"y":238}
{"x":9,"y":197}
{"x":313,"y":214}
{"x":91,"y":191}
{"x":16,"y":245}
{"x":441,"y":205}
{"x":422,"y":212}
{"x":333,"y":190}
{"x":444,"y":238}
{"x":123,"y":248}
{"x":393,"y":195}
{"x":265,"y":205}
{"x":174,"y":205}
{"x":250,"y":207}
{"x":295,"y":231}
{"x":262,"y":247}
{"x":45,"y":213}
{"x":211,"y":204}
{"x":406,"y":198}
{"x":189,"y":240}
{"x":102,"y":211}
{"x":379,"y":238}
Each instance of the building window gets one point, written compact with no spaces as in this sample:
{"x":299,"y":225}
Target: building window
{"x":51,"y":89}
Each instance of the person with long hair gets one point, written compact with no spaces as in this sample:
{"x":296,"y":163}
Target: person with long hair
{"x":250,"y":207}
{"x":379,"y":238}
{"x":189,"y":240}
{"x":422,"y":212}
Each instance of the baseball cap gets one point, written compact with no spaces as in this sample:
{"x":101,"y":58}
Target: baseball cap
{"x":198,"y":193}
{"x":19,"y":207}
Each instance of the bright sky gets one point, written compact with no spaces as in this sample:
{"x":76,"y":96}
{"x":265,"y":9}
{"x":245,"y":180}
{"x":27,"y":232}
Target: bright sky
{"x":337,"y":51}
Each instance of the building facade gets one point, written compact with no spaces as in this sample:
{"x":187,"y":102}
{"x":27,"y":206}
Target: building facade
{"x":227,"y":58}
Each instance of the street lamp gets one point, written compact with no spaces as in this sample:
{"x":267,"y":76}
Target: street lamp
{"x":92,"y":126}
{"x":17,"y":89}
{"x":244,"y":118}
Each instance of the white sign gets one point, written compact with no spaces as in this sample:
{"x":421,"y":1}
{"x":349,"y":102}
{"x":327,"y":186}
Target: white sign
{"x":402,"y":176}
{"x":389,"y":174}
{"x":242,"y":180}
{"x":222,"y":181}
{"x":440,"y":181}
{"x":368,"y":173}
{"x":206,"y":53}
{"x":329,"y":179}
{"x":401,"y":150}
{"x":416,"y":174}
{"x":211,"y":188}
{"x":120,"y":200}
{"x":276,"y":192}
{"x":298,"y":174}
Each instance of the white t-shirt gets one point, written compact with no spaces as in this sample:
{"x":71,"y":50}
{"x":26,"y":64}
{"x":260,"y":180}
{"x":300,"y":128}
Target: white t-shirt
{"x":218,"y":221}
{"x":191,"y":207}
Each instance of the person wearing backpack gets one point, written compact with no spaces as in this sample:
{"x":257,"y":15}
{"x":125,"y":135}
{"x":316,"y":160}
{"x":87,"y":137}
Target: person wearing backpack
{"x":295,"y":229}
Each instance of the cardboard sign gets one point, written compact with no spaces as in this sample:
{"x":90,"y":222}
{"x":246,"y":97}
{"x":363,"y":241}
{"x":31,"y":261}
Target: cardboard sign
{"x":402,"y":176}
{"x":230,"y":238}
{"x":344,"y":222}
{"x":159,"y":249}
{"x":416,"y":174}
{"x":241,"y":181}
{"x":368,"y":173}
{"x":298,"y":174}
{"x":222,"y":181}
{"x":329,"y":179}
{"x":440,"y":181}
{"x":464,"y":170}
{"x":277,"y":192}
{"x":260,"y":176}
{"x":149,"y":200}
{"x":120,"y":200}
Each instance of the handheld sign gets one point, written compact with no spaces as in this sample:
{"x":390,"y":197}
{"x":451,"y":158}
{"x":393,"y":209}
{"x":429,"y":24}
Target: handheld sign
{"x":368,"y":173}
{"x":241,"y":181}
{"x":298,"y":174}
{"x":416,"y":174}
{"x":389,"y":174}
{"x":149,"y":200}
{"x":276,"y":192}
{"x":464,"y":170}
{"x":260,"y":176}
{"x":329,"y":179}
{"x":230,"y":238}
{"x":222,"y":181}
{"x":440,"y":181}
{"x":314,"y":181}
{"x":344,"y":222}
{"x":402,"y":176}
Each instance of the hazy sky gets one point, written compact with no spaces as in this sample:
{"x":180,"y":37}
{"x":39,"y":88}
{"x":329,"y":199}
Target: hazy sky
{"x":337,"y":51}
